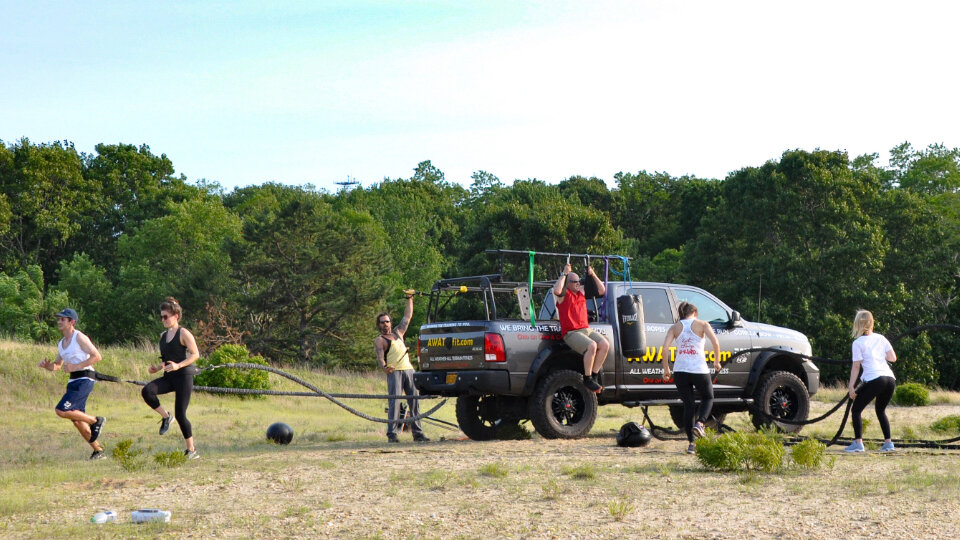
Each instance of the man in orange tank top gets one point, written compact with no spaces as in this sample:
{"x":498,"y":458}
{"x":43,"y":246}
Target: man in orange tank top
{"x":575,"y":327}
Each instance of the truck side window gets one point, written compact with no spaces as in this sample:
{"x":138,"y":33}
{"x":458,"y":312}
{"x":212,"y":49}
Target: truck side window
{"x":656,"y":306}
{"x":707,"y":308}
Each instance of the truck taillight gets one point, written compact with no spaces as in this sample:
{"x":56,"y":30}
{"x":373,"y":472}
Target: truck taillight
{"x":419,"y":343}
{"x":493,"y":348}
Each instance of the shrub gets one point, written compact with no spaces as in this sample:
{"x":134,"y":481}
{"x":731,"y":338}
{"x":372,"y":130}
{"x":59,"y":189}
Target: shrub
{"x":736,"y":451}
{"x":950,"y":424}
{"x":808,"y":453}
{"x":251,"y":379}
{"x":170,"y":459}
{"x":129,"y":460}
{"x":911,"y":395}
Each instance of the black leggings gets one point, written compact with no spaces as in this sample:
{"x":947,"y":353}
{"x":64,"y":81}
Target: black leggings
{"x":685,"y":385}
{"x":182,"y":384}
{"x":881,"y":388}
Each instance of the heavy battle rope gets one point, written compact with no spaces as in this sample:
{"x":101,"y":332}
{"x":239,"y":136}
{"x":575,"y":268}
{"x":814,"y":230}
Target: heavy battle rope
{"x":658,"y":432}
{"x":314,"y":392}
{"x":664,"y":434}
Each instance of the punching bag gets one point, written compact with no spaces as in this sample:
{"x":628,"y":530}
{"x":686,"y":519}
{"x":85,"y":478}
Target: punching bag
{"x":630,"y":322}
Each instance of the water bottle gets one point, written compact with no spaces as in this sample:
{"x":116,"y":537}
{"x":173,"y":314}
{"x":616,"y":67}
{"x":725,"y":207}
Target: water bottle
{"x":145,"y":515}
{"x":107,"y":516}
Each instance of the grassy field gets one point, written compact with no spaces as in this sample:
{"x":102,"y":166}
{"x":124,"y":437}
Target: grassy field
{"x":339,"y":477}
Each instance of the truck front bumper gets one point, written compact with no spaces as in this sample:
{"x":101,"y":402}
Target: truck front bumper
{"x":458,"y":383}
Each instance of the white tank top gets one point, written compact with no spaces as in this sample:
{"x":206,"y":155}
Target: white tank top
{"x":690,"y":357}
{"x":73,"y":354}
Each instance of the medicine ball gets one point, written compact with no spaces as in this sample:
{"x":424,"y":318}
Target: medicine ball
{"x":280,"y":433}
{"x":633,"y":434}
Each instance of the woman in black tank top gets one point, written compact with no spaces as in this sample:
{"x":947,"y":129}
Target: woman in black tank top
{"x":178,"y":352}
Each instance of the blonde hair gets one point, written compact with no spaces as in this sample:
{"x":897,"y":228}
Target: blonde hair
{"x":862,"y":323}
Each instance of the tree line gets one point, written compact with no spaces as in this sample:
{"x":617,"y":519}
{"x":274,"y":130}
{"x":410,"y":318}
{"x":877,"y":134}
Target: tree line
{"x":298,"y":274}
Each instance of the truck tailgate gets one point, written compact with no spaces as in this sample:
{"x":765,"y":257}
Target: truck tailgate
{"x":456,"y":348}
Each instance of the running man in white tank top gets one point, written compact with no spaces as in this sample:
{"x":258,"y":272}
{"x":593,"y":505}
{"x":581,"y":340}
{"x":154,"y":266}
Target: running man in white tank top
{"x":76,"y":355}
{"x":690,"y":369}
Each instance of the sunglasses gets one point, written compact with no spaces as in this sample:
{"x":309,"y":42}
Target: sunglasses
{"x":383,"y":322}
{"x":165,"y":317}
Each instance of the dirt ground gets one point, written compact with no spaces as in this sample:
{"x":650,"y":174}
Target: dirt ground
{"x":588,"y":488}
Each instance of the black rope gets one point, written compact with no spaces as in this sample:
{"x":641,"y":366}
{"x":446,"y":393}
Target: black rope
{"x":752,"y":407}
{"x":315,"y":392}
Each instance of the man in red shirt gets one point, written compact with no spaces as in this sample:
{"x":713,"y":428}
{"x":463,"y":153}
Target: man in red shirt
{"x":575,"y":328}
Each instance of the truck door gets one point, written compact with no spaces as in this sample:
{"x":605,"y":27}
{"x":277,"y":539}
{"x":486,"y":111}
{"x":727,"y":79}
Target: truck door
{"x":733,"y":375}
{"x":645,"y":374}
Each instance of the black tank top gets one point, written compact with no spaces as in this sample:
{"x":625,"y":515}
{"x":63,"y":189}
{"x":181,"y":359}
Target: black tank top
{"x":172,"y":351}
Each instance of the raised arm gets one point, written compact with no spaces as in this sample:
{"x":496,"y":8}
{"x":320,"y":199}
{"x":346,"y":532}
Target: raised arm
{"x":401,"y":327}
{"x":601,"y":289}
{"x":558,"y":287}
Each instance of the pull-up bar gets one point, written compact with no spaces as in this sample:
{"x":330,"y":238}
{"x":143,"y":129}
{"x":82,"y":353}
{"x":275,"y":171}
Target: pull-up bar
{"x":549,"y":254}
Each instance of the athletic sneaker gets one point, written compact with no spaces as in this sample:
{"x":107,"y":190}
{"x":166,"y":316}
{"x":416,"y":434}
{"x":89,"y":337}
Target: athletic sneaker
{"x":191,"y":454}
{"x":165,"y":423}
{"x":698,"y":431}
{"x":392,"y":439}
{"x":421,"y":438}
{"x":97,"y":454}
{"x":692,"y":449}
{"x":591,"y":384}
{"x":96,"y":427}
{"x":887,"y":447}
{"x":854,"y":447}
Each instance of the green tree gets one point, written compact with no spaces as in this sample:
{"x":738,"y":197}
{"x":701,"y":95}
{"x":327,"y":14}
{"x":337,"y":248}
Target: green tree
{"x":531,"y":215}
{"x":132,"y":186}
{"x":24,"y":309}
{"x":798,"y":228}
{"x":42,"y":196}
{"x":92,"y":294}
{"x":313,"y":277}
{"x":182,"y":254}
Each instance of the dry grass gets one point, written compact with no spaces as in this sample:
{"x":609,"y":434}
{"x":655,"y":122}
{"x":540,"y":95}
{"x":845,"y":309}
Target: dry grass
{"x":358,"y":486}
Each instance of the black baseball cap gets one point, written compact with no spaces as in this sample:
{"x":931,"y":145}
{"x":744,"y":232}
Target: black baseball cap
{"x":69,"y":313}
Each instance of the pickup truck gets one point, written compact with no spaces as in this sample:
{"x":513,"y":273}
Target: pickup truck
{"x":480,"y":345}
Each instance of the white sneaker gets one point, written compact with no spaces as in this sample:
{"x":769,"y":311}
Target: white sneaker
{"x":854,"y":447}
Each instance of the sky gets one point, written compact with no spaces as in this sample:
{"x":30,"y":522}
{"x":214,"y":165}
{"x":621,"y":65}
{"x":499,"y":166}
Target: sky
{"x":242,"y":93}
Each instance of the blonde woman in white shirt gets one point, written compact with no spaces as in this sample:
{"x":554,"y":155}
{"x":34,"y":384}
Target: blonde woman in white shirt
{"x":871,"y":352}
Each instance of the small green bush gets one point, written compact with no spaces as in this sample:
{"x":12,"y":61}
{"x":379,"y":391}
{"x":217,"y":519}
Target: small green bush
{"x":128,"y":459}
{"x":809,"y":453}
{"x":911,"y":395}
{"x":738,"y":451}
{"x":947,"y":424}
{"x":170,"y":459}
{"x":252,"y":379}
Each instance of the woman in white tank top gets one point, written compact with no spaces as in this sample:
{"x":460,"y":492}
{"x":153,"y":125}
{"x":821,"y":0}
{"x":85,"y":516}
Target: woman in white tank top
{"x":690,"y":369}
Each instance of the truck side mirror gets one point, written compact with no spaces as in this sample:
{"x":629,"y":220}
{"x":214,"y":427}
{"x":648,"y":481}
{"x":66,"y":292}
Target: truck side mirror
{"x":735,"y":319}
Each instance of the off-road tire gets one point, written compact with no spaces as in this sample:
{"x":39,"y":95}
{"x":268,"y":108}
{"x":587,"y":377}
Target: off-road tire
{"x":481,"y":418}
{"x":781,"y":394}
{"x":562,"y":407}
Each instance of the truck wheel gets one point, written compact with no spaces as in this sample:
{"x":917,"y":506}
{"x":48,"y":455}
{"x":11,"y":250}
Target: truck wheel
{"x":781,"y":394}
{"x":716,"y":417}
{"x":481,"y":418}
{"x":562,"y":407}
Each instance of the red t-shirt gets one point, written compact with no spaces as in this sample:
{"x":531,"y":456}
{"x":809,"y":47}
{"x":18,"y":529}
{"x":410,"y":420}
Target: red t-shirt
{"x":572,"y":312}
